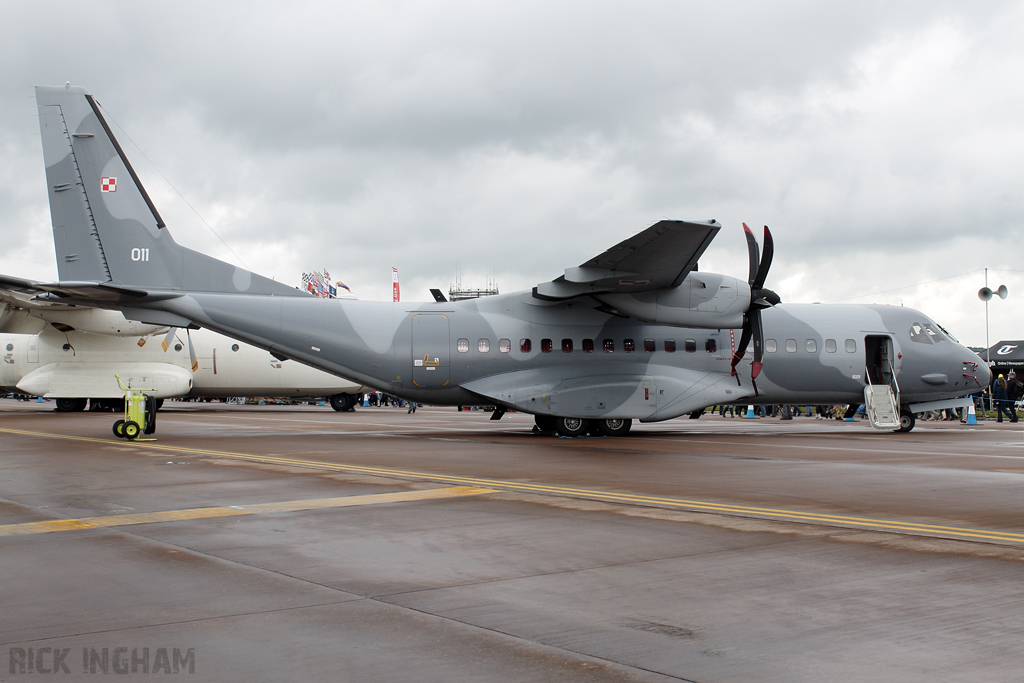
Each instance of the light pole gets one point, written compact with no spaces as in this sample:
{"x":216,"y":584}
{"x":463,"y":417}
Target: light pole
{"x":985,"y":294}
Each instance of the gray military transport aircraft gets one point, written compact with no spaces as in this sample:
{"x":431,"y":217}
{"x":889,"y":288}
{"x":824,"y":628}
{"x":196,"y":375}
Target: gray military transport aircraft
{"x":636,"y":333}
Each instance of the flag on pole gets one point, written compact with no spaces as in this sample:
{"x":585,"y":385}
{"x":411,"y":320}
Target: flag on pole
{"x":394,"y":283}
{"x":342,"y":285}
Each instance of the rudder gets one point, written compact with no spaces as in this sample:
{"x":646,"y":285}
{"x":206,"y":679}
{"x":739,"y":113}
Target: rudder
{"x":105,"y":226}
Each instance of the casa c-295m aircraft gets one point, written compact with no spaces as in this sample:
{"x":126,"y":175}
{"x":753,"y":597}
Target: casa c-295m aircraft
{"x":635,"y":333}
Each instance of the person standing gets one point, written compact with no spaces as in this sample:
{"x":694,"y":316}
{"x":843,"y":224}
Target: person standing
{"x":1001,"y":400}
{"x":1014,"y":389}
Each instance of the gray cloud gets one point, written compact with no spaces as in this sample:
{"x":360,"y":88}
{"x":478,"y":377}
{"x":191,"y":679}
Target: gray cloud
{"x":880,"y":142}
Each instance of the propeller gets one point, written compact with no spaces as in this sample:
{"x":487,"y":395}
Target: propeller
{"x":759,"y":298}
{"x":191,"y":349}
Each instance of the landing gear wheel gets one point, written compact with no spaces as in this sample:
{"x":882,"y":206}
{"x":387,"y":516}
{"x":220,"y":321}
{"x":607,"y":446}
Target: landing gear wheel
{"x":342,"y":402}
{"x":907,"y":421}
{"x":71,"y":405}
{"x":545,"y":423}
{"x":131,"y":429}
{"x":119,"y":429}
{"x":615,"y":427}
{"x":571,"y":426}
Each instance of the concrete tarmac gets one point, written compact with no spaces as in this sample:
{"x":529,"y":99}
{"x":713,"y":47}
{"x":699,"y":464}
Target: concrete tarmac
{"x":286,"y":543}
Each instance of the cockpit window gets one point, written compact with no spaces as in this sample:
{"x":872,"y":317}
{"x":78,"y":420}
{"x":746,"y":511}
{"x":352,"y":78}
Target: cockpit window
{"x":946,"y":332}
{"x":933,"y":333}
{"x":918,"y":334}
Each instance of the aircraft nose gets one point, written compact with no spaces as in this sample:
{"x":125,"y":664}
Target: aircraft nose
{"x":984,"y":375}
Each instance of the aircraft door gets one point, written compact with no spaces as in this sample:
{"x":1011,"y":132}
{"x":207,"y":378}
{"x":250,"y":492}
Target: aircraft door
{"x":431,"y":349}
{"x":879,"y":360}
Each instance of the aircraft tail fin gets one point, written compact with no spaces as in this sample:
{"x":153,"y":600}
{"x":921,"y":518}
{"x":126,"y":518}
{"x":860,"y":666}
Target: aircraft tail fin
{"x":105,"y":226}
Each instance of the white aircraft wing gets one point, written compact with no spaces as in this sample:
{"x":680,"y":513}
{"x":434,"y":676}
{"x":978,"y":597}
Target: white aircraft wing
{"x":660,"y":256}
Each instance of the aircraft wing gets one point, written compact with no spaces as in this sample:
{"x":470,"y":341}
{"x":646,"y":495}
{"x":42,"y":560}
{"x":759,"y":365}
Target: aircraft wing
{"x":660,"y":256}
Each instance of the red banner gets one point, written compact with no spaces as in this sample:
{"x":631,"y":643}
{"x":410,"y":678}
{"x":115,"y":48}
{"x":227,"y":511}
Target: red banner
{"x":394,"y":283}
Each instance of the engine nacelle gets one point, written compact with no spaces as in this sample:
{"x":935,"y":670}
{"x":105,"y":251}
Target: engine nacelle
{"x":705,"y":300}
{"x":99,"y":380}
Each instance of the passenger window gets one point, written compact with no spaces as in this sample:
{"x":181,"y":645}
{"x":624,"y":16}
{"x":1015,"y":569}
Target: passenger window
{"x":830,"y":345}
{"x":462,"y":345}
{"x":710,"y":345}
{"x":525,"y":345}
{"x":567,"y":345}
{"x":791,"y":345}
{"x":504,"y":345}
{"x":628,"y":346}
{"x":649,"y":345}
{"x":609,"y":346}
{"x":588,"y":346}
{"x":10,"y":347}
{"x":234,"y":347}
{"x":770,"y":346}
{"x":670,"y":345}
{"x":691,"y":345}
{"x":545,"y":346}
{"x":483,"y":346}
{"x":811,"y":346}
{"x":851,"y":346}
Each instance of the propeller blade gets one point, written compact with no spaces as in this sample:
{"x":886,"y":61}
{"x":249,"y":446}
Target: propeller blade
{"x":167,"y":340}
{"x":766,"y":261}
{"x":757,"y":333}
{"x":752,"y":254}
{"x":737,"y":356}
{"x":191,"y":352}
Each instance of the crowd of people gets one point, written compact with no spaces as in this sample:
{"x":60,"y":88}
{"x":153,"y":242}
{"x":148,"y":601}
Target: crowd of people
{"x":1005,"y":393}
{"x":788,"y":412}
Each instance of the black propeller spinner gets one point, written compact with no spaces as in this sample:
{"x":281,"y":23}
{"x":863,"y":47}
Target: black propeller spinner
{"x":759,"y":298}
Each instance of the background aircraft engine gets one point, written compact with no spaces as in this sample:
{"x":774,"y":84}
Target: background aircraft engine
{"x":705,"y":300}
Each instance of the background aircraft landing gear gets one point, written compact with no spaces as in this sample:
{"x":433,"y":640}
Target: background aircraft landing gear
{"x":614,"y":427}
{"x":71,"y":405}
{"x":907,"y":421}
{"x":343,"y":402}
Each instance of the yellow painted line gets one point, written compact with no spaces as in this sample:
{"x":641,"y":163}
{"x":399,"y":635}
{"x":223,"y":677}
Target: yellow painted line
{"x":594,"y":494}
{"x":236,"y":510}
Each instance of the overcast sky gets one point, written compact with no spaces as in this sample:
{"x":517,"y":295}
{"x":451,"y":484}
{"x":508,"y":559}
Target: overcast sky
{"x":882,"y":142}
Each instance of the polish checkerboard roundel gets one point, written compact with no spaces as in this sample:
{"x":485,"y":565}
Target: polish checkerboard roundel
{"x":108,"y":184}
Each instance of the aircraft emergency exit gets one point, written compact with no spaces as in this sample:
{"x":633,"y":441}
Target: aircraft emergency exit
{"x":636,"y":333}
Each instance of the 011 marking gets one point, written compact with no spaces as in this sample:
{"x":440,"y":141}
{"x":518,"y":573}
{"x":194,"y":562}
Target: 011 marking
{"x":140,"y":254}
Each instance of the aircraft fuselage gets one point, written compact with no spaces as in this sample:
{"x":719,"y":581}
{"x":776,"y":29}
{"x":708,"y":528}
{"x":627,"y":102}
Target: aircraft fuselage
{"x":568,"y":359}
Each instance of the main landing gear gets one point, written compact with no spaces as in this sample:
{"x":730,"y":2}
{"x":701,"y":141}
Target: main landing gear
{"x":578,"y":426}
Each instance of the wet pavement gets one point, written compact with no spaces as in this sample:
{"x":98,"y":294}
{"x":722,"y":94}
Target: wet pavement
{"x":269,"y":543}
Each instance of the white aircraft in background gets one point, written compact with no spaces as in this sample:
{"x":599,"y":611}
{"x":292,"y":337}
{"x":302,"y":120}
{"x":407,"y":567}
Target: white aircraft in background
{"x":73,"y":354}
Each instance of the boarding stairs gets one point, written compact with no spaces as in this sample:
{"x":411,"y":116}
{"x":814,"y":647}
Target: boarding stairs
{"x":882,"y":402}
